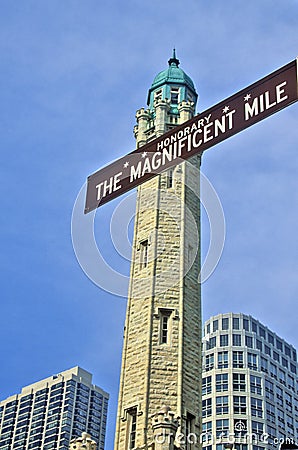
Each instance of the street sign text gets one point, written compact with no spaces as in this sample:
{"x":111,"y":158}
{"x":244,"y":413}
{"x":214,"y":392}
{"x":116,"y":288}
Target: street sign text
{"x":232,"y":115}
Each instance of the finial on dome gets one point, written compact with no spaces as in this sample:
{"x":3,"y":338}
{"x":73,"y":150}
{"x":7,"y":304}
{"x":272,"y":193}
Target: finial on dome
{"x":174,"y":61}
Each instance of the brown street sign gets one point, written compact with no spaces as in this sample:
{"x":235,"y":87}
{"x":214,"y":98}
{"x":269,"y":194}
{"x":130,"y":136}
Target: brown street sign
{"x":243,"y":109}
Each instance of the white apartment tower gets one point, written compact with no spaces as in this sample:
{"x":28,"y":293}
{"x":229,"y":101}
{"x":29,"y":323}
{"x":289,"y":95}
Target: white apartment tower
{"x":250,"y":397}
{"x":47,"y":414}
{"x":161,"y":363}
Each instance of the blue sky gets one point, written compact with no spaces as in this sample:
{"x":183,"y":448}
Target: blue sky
{"x":73,"y":73}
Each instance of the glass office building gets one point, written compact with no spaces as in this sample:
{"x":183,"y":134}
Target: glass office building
{"x":48,"y":414}
{"x":249,"y":389}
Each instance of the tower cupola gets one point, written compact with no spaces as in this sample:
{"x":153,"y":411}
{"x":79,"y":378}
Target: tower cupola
{"x":173,"y":85}
{"x":171,"y":101}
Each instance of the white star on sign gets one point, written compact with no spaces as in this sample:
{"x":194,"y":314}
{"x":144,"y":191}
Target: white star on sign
{"x":226,"y":109}
{"x":144,"y":155}
{"x":126,"y":164}
{"x":247,"y":97}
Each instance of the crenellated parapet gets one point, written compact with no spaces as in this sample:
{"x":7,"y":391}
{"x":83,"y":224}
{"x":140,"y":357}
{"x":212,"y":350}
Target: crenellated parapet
{"x":83,"y":442}
{"x":165,"y":424}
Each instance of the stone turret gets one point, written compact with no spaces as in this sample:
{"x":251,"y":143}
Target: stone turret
{"x":165,"y":425}
{"x":186,"y":110}
{"x":82,"y":443}
{"x":140,"y":130}
{"x":162,"y":109}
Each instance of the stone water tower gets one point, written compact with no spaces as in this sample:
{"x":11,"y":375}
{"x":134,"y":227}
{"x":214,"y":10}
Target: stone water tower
{"x":160,"y":385}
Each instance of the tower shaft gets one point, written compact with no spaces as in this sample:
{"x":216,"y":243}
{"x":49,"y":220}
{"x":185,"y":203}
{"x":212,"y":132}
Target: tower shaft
{"x":161,"y":361}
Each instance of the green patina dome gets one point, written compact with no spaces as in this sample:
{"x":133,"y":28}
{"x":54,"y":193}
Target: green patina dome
{"x":168,"y":79}
{"x":172,"y":75}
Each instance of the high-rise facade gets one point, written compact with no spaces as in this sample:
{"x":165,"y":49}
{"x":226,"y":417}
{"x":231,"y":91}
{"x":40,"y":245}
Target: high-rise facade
{"x":161,"y":361}
{"x":47,"y":414}
{"x":250,"y":396}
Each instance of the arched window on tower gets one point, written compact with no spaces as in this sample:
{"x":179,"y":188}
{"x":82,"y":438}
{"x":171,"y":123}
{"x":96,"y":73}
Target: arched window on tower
{"x":144,"y":253}
{"x":164,"y":332}
{"x":158,"y":95}
{"x":131,"y":427}
{"x":170,"y":178}
{"x":175,"y":95}
{"x":165,"y":326}
{"x":190,"y":437}
{"x":190,"y":97}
